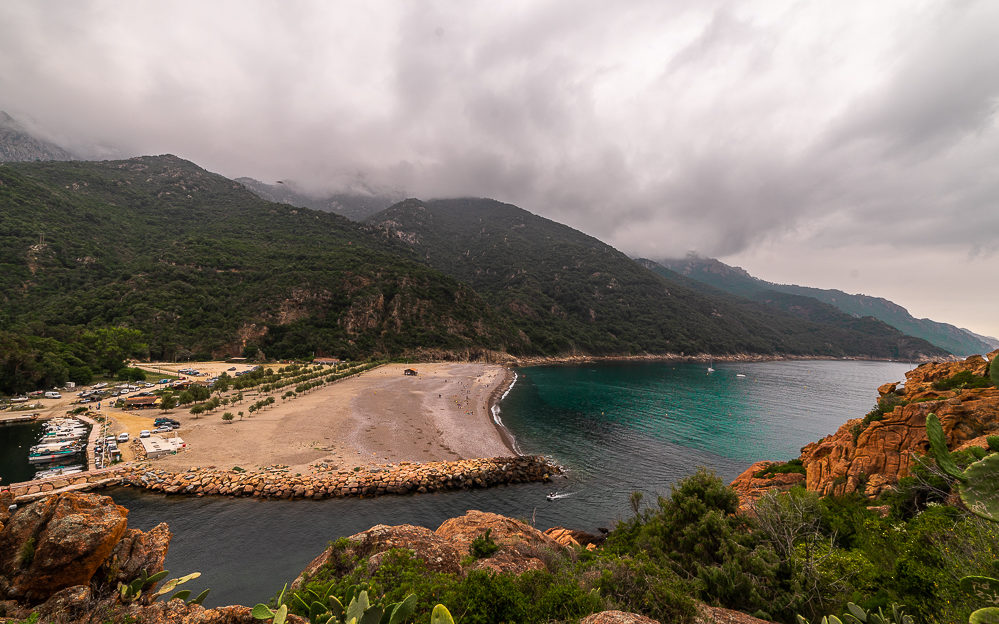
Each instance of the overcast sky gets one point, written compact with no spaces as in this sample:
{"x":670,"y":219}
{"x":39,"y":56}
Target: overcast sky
{"x":850,"y":145}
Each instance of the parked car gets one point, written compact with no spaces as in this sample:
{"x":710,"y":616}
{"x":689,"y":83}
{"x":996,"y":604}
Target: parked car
{"x":123,"y":436}
{"x":144,"y":433}
{"x":163,"y":429}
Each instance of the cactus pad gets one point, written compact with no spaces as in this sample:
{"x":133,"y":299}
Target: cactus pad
{"x":938,"y":447}
{"x":988,"y":615}
{"x":983,"y":588}
{"x":979,"y":491}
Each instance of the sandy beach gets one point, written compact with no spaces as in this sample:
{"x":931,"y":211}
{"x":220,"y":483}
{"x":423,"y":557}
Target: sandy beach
{"x":377,"y":417}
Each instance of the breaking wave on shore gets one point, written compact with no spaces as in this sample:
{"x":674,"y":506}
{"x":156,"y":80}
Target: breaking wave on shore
{"x":495,"y":409}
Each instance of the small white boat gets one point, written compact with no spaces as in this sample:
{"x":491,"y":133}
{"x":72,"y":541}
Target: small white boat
{"x":58,"y":472}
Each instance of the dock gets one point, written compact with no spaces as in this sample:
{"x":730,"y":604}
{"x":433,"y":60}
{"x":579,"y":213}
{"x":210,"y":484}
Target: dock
{"x":20,"y":419}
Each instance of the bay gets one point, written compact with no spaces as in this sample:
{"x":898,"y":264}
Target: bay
{"x":616,"y":428}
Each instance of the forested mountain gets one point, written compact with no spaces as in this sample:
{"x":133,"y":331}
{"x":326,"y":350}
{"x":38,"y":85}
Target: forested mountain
{"x":17,"y":144}
{"x":156,"y":257}
{"x":737,"y":281}
{"x":568,"y":292}
{"x":353,"y":206}
{"x":203,"y":267}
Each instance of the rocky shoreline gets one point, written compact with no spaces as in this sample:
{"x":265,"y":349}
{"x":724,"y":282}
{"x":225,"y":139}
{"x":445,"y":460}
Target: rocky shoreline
{"x":870,"y":455}
{"x":279,"y":482}
{"x":699,"y":358}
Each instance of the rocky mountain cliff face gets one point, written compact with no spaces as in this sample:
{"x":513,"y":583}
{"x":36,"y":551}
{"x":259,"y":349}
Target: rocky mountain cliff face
{"x":871,"y":457}
{"x":17,"y":144}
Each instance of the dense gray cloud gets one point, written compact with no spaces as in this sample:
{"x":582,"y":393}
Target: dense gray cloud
{"x":849,"y":144}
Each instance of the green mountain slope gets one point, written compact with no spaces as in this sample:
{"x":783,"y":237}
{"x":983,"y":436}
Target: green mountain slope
{"x":568,"y":292}
{"x":737,"y":281}
{"x":203,"y":267}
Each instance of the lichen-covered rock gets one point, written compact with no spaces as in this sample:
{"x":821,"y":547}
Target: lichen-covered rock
{"x":509,"y":562}
{"x":923,"y":376}
{"x":6,"y":500}
{"x":617,"y":617}
{"x":508,"y":533}
{"x":68,"y":605}
{"x":571,"y":538}
{"x":521,"y":546}
{"x":177,"y":612}
{"x":719,"y":615}
{"x":137,"y":551}
{"x":70,"y":536}
{"x":749,"y":487}
{"x":439,"y":554}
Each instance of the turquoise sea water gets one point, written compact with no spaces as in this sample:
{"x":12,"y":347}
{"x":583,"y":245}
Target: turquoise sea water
{"x":617,"y":428}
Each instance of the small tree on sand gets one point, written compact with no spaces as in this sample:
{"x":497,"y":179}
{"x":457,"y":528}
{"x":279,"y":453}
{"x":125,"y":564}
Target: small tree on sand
{"x":228,"y":417}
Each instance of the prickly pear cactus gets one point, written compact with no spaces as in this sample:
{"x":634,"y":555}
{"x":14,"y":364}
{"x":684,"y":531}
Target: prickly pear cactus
{"x":440,"y":615}
{"x":938,"y":446}
{"x":979,"y":490}
{"x":988,"y":615}
{"x":982,"y":587}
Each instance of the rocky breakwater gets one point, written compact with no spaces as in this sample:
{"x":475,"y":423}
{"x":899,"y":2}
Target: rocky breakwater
{"x":398,"y":478}
{"x":63,"y":557}
{"x":871,"y":454}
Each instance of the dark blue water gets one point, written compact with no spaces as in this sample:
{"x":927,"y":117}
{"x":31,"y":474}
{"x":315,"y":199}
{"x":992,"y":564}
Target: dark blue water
{"x":15,"y":440}
{"x":617,"y":428}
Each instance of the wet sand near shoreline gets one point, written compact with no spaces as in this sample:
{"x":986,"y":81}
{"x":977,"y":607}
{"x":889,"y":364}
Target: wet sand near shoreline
{"x":377,"y":417}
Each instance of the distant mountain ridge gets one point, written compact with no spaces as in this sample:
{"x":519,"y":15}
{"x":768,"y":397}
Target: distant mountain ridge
{"x":737,"y":281}
{"x":353,"y":206}
{"x":17,"y":144}
{"x":569,"y":292}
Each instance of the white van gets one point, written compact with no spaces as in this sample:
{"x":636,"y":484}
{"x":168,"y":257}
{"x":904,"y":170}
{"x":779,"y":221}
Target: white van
{"x":52,"y":394}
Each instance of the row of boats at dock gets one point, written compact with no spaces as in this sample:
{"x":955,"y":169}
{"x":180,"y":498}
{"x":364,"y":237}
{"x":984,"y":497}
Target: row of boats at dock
{"x":62,"y":445}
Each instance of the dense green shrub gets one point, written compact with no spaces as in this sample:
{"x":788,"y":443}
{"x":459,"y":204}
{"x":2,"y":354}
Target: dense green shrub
{"x":788,"y":467}
{"x":962,"y":380}
{"x":636,"y":584}
{"x":483,"y":546}
{"x":696,"y":533}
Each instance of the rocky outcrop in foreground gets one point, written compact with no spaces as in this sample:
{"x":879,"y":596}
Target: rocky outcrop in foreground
{"x":871,"y":457}
{"x":521,"y":546}
{"x":63,"y":557}
{"x":81,"y":548}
